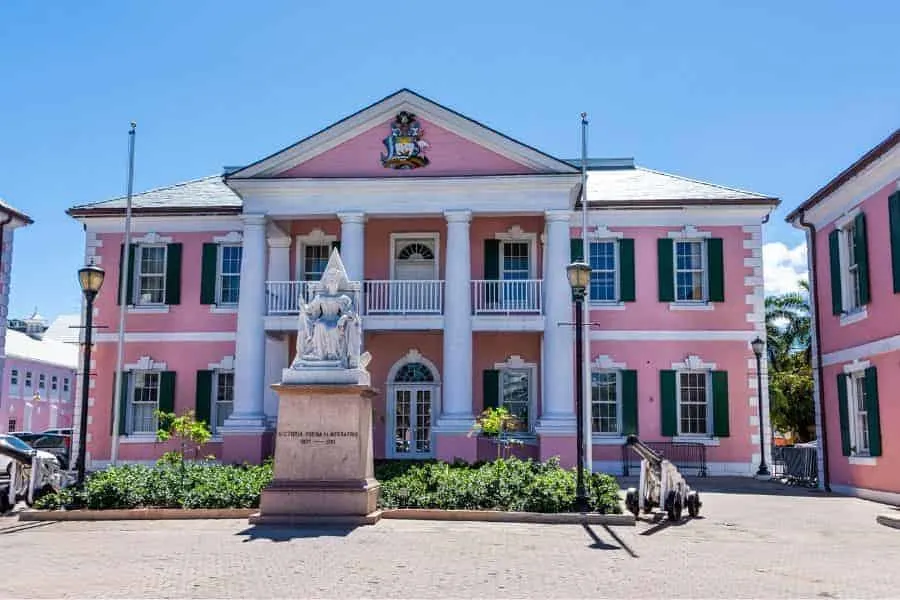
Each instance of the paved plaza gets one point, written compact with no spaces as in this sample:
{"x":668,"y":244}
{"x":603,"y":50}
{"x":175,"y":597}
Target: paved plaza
{"x":784,"y":543}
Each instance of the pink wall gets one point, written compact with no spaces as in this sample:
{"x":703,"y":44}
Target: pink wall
{"x":448,"y":153}
{"x":189,"y":315}
{"x":884,"y":305}
{"x":490,"y":349}
{"x":305,"y":227}
{"x":15,"y":398}
{"x":379,"y":253}
{"x":885,"y":474}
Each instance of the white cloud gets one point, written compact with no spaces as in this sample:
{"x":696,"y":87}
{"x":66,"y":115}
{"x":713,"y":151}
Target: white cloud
{"x":783,"y":267}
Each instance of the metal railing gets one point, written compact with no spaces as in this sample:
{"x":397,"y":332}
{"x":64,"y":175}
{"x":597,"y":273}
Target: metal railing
{"x":796,"y":464}
{"x":685,"y":456}
{"x":399,"y":297}
{"x":507,"y":296}
{"x":283,"y":297}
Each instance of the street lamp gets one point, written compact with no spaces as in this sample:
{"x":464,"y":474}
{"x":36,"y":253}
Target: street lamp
{"x":759,"y":346}
{"x":579,"y":277}
{"x":90,"y":278}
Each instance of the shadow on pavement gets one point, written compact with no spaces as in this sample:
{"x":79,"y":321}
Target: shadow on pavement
{"x":286,"y":533}
{"x":599,"y":544}
{"x":20,"y":526}
{"x":738,"y":485}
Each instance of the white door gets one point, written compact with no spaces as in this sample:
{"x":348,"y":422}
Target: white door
{"x":414,"y":264}
{"x":413,"y":393}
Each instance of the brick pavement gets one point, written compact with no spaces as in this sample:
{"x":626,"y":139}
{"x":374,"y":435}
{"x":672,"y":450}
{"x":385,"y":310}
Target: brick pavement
{"x":791,"y":544}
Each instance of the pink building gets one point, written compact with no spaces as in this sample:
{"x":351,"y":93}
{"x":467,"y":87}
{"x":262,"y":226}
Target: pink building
{"x":461,"y":236}
{"x":38,"y":383}
{"x":853,"y":234}
{"x":10,"y":220}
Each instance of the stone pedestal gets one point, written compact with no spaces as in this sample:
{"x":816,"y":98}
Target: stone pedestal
{"x":324,"y":470}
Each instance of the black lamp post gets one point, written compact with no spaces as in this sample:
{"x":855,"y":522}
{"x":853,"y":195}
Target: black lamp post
{"x":759,"y":346}
{"x":91,"y":280}
{"x":579,"y":277}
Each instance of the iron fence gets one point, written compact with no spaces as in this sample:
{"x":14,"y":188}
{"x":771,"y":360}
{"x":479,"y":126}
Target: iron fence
{"x":795,"y":464}
{"x":686,"y":456}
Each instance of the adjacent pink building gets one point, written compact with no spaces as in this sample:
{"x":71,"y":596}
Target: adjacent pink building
{"x":853,"y":233}
{"x":10,"y":220}
{"x":461,"y":237}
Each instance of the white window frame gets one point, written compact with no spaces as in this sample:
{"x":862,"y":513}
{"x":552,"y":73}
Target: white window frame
{"x":137,"y":298}
{"x":850,"y":294}
{"x":517,"y":363}
{"x":704,"y":270}
{"x":129,"y":413}
{"x":402,"y":239}
{"x":856,"y":375}
{"x":220,"y":274}
{"x":42,"y":381}
{"x":14,"y":381}
{"x":618,"y":403}
{"x":707,"y":373}
{"x":516,"y":234}
{"x":617,"y":294}
{"x":65,"y":387}
{"x":214,"y":400}
{"x":316,"y":237}
{"x":392,"y":386}
{"x":29,"y":380}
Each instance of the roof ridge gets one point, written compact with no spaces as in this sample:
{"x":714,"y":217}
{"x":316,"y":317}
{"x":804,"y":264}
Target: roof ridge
{"x":700,"y":181}
{"x":151,"y":190}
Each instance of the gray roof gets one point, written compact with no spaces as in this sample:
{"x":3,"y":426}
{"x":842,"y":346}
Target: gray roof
{"x":640,"y":184}
{"x":15,"y":212}
{"x":205,"y":194}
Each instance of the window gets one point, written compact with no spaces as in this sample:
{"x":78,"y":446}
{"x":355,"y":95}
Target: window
{"x":42,"y":381}
{"x":14,"y":377}
{"x":852,"y":297}
{"x":54,"y":383}
{"x":859,"y":415}
{"x":11,"y":425}
{"x":65,"y":385}
{"x":515,"y":263}
{"x":315,"y":259}
{"x":515,"y":395}
{"x":690,"y":271}
{"x":605,"y":402}
{"x":229,"y":274}
{"x":144,"y":402}
{"x":693,"y":403}
{"x":150,"y":277}
{"x":27,"y":379}
{"x":223,"y":400}
{"x":603,"y":260}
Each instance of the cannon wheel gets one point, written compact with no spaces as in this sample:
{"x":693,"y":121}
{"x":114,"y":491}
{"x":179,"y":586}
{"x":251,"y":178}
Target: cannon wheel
{"x":4,"y":501}
{"x":631,"y":502}
{"x":693,"y":504}
{"x":673,"y":506}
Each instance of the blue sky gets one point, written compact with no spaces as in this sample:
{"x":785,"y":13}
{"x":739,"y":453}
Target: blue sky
{"x":775,"y":97}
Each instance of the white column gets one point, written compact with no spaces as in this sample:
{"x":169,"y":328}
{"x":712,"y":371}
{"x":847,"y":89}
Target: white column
{"x":353,"y":248}
{"x":456,"y":395}
{"x":277,"y":356}
{"x":558,"y":414}
{"x":249,"y":374}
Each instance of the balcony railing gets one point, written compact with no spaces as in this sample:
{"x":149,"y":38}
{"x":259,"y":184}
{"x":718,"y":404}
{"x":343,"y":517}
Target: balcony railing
{"x":519,"y":296}
{"x":283,"y":297}
{"x":404,"y":297}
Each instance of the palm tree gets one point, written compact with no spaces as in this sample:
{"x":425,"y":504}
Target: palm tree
{"x":788,"y":326}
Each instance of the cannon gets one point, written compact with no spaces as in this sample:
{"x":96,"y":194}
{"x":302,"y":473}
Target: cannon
{"x":31,"y":472}
{"x":660,"y":486}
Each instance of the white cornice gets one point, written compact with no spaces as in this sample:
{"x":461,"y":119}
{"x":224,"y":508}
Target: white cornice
{"x":166,"y":224}
{"x":381,"y":114}
{"x":696,"y":216}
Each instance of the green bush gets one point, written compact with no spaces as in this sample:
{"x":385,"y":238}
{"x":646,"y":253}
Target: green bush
{"x":507,"y":484}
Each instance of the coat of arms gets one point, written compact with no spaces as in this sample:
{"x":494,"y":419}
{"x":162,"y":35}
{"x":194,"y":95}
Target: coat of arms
{"x":405,"y":146}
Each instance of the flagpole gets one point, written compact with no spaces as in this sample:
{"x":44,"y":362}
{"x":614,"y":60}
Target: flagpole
{"x":123,"y":301}
{"x":586,"y":333}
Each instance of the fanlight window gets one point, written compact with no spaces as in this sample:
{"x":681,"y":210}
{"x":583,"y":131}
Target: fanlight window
{"x":414,"y":373}
{"x":415,"y":251}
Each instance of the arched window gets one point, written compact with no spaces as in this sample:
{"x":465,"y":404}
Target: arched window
{"x":414,"y":372}
{"x":415,"y":251}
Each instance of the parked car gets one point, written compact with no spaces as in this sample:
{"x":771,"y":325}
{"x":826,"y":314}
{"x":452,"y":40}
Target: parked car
{"x":65,"y":431}
{"x":58,"y":445}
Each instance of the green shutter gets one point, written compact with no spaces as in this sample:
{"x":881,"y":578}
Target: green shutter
{"x":173,"y":274}
{"x":629,"y":402}
{"x":715,"y":257}
{"x":123,"y":405}
{"x":126,"y":271}
{"x":861,"y":249}
{"x":576,"y":249}
{"x":668,"y":401}
{"x":336,"y":245}
{"x":720,"y":404}
{"x":894,"y":219}
{"x":491,"y":382}
{"x":204,"y":396}
{"x":834,"y":253}
{"x":492,"y":260}
{"x":167,"y":391}
{"x":665,"y":269}
{"x":843,"y":413}
{"x":872,"y":413}
{"x":209,"y":270}
{"x":626,"y":270}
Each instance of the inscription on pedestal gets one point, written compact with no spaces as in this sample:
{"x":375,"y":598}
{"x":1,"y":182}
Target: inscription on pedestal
{"x":319,"y":438}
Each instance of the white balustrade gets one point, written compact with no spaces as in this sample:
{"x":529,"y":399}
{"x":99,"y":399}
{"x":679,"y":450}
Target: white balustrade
{"x":283,"y":297}
{"x":507,"y":296}
{"x":404,"y":297}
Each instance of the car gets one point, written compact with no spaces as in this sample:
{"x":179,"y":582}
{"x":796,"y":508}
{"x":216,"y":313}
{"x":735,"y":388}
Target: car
{"x":65,"y":431}
{"x":56,"y":444}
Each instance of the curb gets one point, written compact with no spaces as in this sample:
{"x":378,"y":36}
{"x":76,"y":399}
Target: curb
{"x":889,"y":520}
{"x":412,"y":514}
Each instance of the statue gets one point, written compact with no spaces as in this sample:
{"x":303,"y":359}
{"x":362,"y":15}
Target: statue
{"x":329,"y":332}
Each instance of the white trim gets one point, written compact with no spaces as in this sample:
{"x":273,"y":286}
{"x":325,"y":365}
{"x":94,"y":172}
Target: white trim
{"x":605,"y":363}
{"x":152,"y":239}
{"x":607,"y":305}
{"x":392,"y":387}
{"x":517,"y":363}
{"x":891,"y":498}
{"x":316,"y":237}
{"x":693,"y":363}
{"x":847,"y":218}
{"x":859,"y":314}
{"x":220,"y":260}
{"x":145,"y":363}
{"x":617,"y":271}
{"x":413,"y":356}
{"x":688,"y":335}
{"x":856,"y":366}
{"x":226,"y":364}
{"x":676,"y":215}
{"x":173,"y":336}
{"x":863,"y":461}
{"x":602,"y":232}
{"x":435,"y":239}
{"x":232,"y":237}
{"x":699,"y":439}
{"x":882,"y":346}
{"x":167,"y":224}
{"x":229,"y":309}
{"x":511,"y":322}
{"x":704,"y":271}
{"x":137,"y":273}
{"x":688,"y":234}
{"x":697,"y":305}
{"x":516,"y":234}
{"x":147,"y":309}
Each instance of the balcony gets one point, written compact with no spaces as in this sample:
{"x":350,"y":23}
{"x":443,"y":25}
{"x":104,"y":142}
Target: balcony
{"x":403,"y":297}
{"x":520,"y":296}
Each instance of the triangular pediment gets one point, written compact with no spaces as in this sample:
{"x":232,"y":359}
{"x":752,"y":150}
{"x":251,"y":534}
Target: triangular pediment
{"x":404,"y":134}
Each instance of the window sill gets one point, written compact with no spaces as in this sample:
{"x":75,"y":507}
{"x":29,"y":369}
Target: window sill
{"x":138,"y":438}
{"x":223,"y":310}
{"x":607,"y":440}
{"x":692,"y":306}
{"x":854,"y":317}
{"x":687,"y":439}
{"x":528,"y":439}
{"x":607,"y":305}
{"x":148,"y":310}
{"x":866,"y":461}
